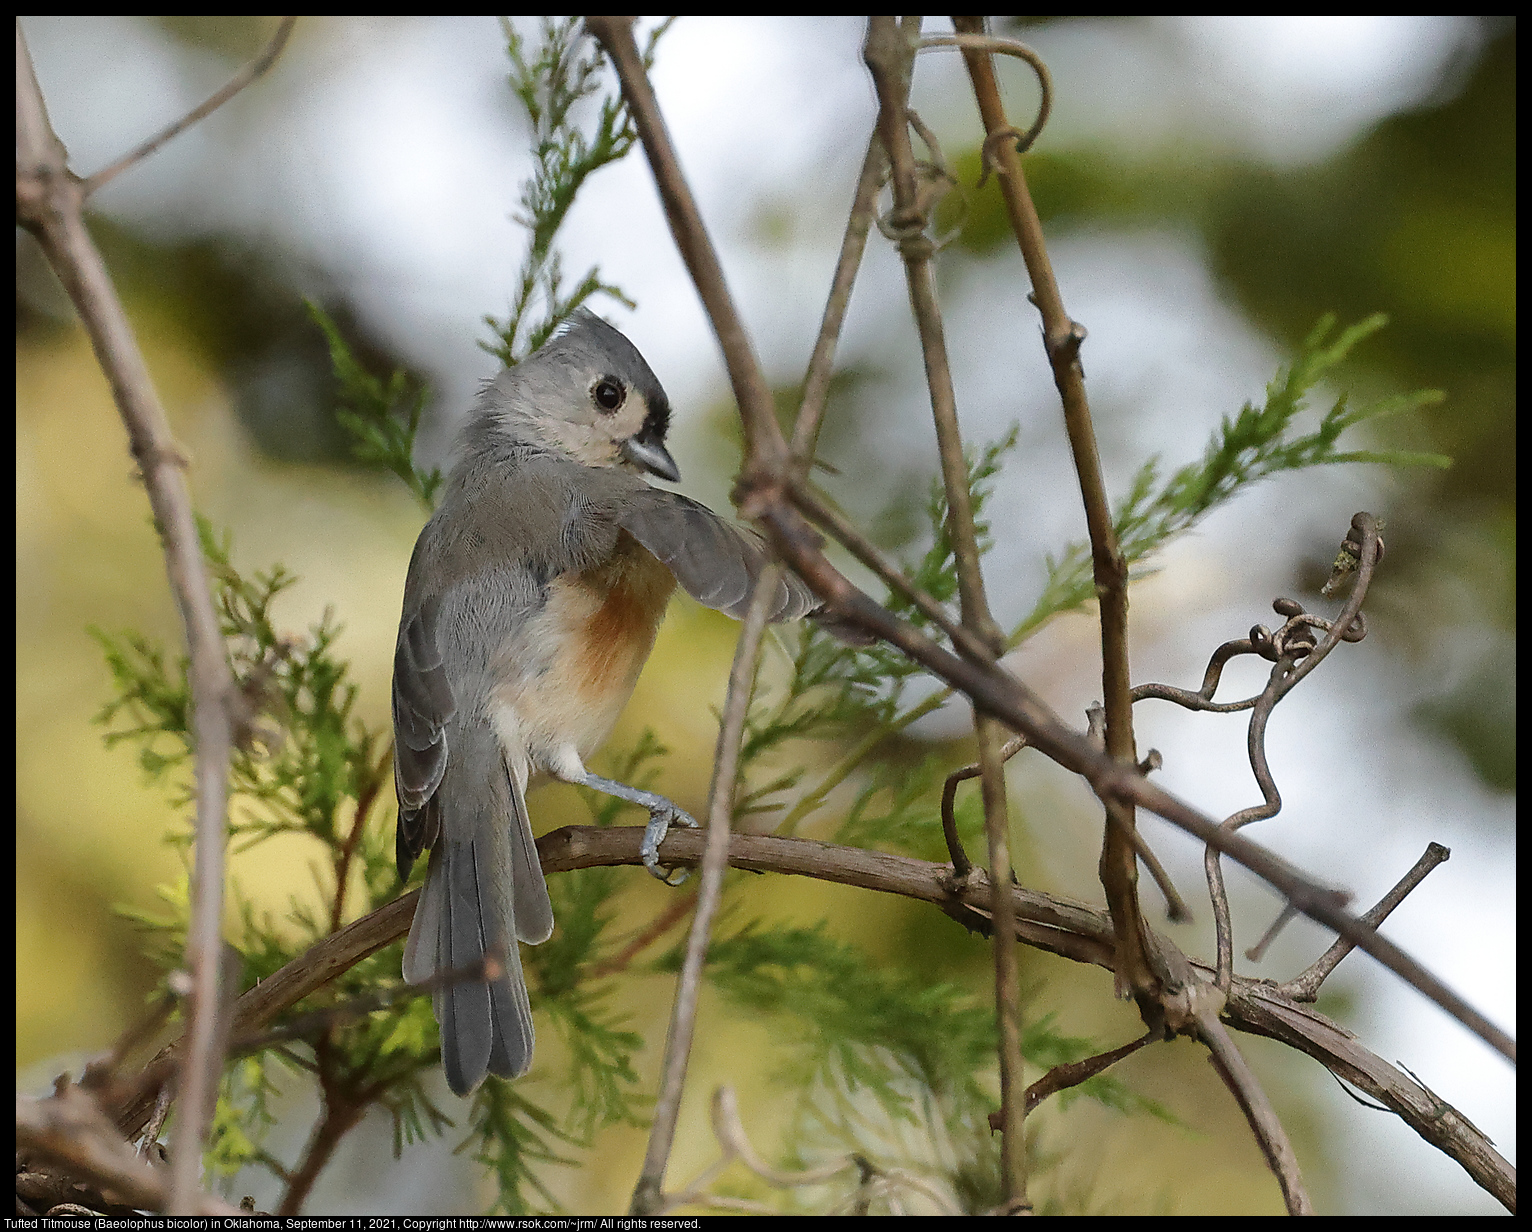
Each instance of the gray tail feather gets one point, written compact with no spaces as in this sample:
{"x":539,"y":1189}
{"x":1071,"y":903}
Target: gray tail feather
{"x":477,"y":885}
{"x":534,"y":913}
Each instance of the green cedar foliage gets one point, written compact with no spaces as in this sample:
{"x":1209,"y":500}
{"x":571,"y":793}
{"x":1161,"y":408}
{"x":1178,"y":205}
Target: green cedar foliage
{"x":565,"y":71}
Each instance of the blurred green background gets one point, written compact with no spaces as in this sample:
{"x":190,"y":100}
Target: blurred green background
{"x":300,"y":187}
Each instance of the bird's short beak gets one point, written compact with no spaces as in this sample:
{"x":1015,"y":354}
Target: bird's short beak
{"x":652,"y":457}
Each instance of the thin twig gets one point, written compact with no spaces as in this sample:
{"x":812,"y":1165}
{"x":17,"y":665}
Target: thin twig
{"x":812,"y":799}
{"x":680,"y":906}
{"x":735,"y":1145}
{"x":766,"y":454}
{"x":765,"y":447}
{"x":1067,"y":1074}
{"x":1062,"y":338}
{"x":648,"y":1193}
{"x":50,"y":204}
{"x":368,"y":793}
{"x":1284,"y":917}
{"x":831,"y":519}
{"x":1292,"y":641}
{"x":1262,"y":1117}
{"x":1005,"y":47}
{"x":961,"y":864}
{"x":1176,"y":909}
{"x":729,"y":1129}
{"x":1072,"y":1073}
{"x":342,"y":1109}
{"x":997,"y":826}
{"x":890,"y":57}
{"x":816,"y":381}
{"x":1305,"y":985}
{"x":243,"y":78}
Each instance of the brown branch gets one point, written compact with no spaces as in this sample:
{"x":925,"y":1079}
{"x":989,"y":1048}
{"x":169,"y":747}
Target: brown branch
{"x":1046,"y":922}
{"x":50,"y":204}
{"x":243,"y":78}
{"x":1072,"y":1073}
{"x":1175,"y":906}
{"x":1305,"y":985}
{"x":1257,"y":1007}
{"x":831,"y":519}
{"x":649,"y":1191}
{"x":342,"y":1111}
{"x":679,"y":906}
{"x":890,"y":57}
{"x":1251,"y":1097}
{"x":70,"y":1130}
{"x":961,"y":864}
{"x":994,"y":689}
{"x":816,"y":381}
{"x":765,"y":447}
{"x":1062,"y":338}
{"x":368,"y":794}
{"x":997,"y":826}
{"x":1067,"y":1074}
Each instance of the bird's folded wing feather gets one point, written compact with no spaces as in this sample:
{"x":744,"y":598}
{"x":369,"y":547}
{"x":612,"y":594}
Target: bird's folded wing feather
{"x":713,"y":560}
{"x":422,"y":704}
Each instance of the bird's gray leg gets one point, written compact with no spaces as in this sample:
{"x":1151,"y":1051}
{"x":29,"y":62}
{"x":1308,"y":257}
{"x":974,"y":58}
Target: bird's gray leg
{"x":662,"y":815}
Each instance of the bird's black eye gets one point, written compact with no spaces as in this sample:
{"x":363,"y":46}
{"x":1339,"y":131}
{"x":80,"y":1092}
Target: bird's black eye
{"x":608,"y":394}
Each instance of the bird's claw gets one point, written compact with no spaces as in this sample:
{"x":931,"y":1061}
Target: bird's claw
{"x":661,"y":818}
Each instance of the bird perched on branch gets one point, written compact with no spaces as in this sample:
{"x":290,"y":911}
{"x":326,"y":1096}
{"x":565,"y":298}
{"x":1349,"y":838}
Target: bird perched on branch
{"x":532,"y":602}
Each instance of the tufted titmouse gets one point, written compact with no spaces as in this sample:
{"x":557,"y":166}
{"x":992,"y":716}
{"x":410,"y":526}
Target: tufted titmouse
{"x":531,"y":604}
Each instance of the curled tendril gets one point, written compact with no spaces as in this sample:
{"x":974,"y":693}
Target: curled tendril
{"x":1294,"y":650}
{"x":1005,"y":47}
{"x":934,"y":179}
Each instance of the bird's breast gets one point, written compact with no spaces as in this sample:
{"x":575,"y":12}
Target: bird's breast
{"x":618,"y":606}
{"x":596,"y":630}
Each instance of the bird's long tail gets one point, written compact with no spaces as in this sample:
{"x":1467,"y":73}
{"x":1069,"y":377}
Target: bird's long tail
{"x":484,"y":890}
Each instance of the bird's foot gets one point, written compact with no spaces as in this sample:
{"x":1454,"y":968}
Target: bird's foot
{"x":662,"y":815}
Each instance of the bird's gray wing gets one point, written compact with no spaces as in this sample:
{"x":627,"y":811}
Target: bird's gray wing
{"x":422,"y":705}
{"x":714,"y":560}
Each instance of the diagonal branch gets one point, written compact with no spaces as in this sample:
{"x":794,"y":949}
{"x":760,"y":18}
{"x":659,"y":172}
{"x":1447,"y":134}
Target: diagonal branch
{"x":244,"y":77}
{"x":1241,"y":1081}
{"x":890,"y":56}
{"x":50,"y":202}
{"x":1046,"y":922}
{"x":1305,"y":985}
{"x":649,"y":1192}
{"x":863,"y":548}
{"x":765,"y":447}
{"x":997,"y":691}
{"x":816,"y":381}
{"x":1062,"y":338}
